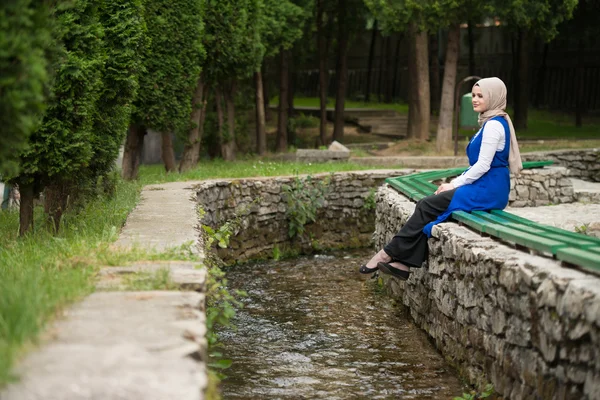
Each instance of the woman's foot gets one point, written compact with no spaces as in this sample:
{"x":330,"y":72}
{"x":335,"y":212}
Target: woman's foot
{"x":371,"y":266}
{"x":396,"y":269}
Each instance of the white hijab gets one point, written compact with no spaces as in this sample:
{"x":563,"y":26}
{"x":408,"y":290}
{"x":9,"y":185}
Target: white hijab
{"x":494,"y":95}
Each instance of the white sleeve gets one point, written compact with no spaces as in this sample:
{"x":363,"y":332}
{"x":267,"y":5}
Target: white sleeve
{"x":492,"y":140}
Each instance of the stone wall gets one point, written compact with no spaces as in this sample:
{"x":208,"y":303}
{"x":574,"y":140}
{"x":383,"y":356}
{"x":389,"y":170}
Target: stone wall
{"x":583,"y":164}
{"x":519,"y":321}
{"x":346,"y":220}
{"x":541,"y":186}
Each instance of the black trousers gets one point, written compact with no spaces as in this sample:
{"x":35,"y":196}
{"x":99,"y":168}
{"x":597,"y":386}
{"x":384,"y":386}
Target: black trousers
{"x":409,"y":246}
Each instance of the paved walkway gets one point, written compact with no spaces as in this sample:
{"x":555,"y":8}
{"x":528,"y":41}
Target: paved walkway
{"x":122,"y":345}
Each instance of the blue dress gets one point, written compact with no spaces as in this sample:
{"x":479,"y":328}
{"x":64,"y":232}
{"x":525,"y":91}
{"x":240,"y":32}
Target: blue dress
{"x":490,"y":191}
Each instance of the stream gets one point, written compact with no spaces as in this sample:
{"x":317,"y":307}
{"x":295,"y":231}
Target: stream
{"x":314,"y":328}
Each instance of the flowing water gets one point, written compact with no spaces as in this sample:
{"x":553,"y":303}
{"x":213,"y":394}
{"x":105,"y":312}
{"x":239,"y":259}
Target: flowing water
{"x":314,"y":328}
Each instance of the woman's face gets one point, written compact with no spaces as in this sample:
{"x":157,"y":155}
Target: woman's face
{"x":478,"y":101}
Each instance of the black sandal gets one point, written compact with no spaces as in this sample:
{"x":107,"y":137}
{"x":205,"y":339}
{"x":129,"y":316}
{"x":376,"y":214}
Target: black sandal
{"x":364,"y":270}
{"x":388,"y":269}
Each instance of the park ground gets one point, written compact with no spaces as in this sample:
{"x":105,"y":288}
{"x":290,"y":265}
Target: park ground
{"x":43,"y":272}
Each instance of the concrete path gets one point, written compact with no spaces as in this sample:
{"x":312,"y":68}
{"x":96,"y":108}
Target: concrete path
{"x":165,"y":217}
{"x":130,"y":345}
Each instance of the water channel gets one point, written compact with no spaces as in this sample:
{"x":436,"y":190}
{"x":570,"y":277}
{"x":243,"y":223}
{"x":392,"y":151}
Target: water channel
{"x":314,"y":328}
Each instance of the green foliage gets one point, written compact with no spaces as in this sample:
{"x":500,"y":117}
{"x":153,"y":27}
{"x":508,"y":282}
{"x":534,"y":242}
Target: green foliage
{"x":473,"y":395}
{"x":429,"y":15}
{"x":583,"y":229}
{"x":61,"y":147}
{"x":124,"y":43}
{"x":282,"y":25}
{"x":232,"y":39}
{"x":540,"y":16}
{"x":304,"y":197}
{"x":172,"y":64}
{"x":25,"y":39}
{"x":221,"y":308}
{"x":305,"y":121}
{"x":369,"y":203}
{"x":276,"y":253}
{"x":222,"y":234}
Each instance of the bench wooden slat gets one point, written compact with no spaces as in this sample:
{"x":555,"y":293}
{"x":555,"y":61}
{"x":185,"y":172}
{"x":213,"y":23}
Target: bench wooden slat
{"x":581,"y":257}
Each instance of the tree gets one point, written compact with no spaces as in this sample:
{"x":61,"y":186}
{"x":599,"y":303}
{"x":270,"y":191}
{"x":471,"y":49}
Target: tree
{"x":124,"y":43}
{"x":372,"y":46}
{"x":584,"y":29}
{"x":25,"y":39}
{"x":350,"y":14}
{"x":281,"y":28}
{"x":528,"y":18}
{"x":323,"y":26}
{"x":234,"y":51}
{"x":410,"y":16}
{"x":61,"y":148}
{"x":172,"y":65}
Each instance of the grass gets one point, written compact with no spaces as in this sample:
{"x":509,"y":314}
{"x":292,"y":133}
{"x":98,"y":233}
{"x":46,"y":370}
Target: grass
{"x":157,"y":280}
{"x":41,"y":273}
{"x":401,"y":108}
{"x":240,"y":169}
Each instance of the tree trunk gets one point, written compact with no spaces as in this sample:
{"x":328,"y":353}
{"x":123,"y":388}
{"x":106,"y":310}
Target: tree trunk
{"x":322,"y":48}
{"x":418,"y":111}
{"x":282,"y":120}
{"x":435,"y":73}
{"x":396,"y":63}
{"x":191,"y":151}
{"x":370,"y":61}
{"x":167,"y":152}
{"x":291,"y":132}
{"x":56,"y":196}
{"x":380,"y":83}
{"x":228,"y":148}
{"x":341,"y":72}
{"x":522,"y":89}
{"x":444,"y":131}
{"x":540,"y":88}
{"x":471,"y":39}
{"x":133,"y":152}
{"x":261,"y":135}
{"x":220,"y":118}
{"x":26,"y":209}
{"x":389,"y":71}
{"x":580,"y":85}
{"x":265,"y":86}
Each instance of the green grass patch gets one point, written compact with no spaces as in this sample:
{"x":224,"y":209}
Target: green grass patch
{"x":243,"y":169}
{"x":157,"y":280}
{"x":41,"y":273}
{"x":400,"y":108}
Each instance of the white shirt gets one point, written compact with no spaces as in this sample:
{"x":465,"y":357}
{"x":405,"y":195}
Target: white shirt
{"x":493,"y":140}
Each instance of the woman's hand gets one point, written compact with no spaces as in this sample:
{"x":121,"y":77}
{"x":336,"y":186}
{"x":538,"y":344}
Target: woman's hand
{"x":444,"y":187}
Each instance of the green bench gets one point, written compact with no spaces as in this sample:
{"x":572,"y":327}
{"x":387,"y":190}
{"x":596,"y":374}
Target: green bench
{"x":569,"y":247}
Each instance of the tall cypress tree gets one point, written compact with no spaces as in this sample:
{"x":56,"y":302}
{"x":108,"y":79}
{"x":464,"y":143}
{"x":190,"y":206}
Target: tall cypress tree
{"x":25,"y":40}
{"x":172,"y":66}
{"x":124,"y":42}
{"x":62,"y":147}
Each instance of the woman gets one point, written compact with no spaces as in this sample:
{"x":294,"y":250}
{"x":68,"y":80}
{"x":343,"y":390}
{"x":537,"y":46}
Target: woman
{"x":485,"y":185}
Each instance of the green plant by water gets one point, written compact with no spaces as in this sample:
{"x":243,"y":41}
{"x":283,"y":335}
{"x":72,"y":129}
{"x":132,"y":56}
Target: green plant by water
{"x":474,"y":395}
{"x":304,"y":197}
{"x":369,"y":203}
